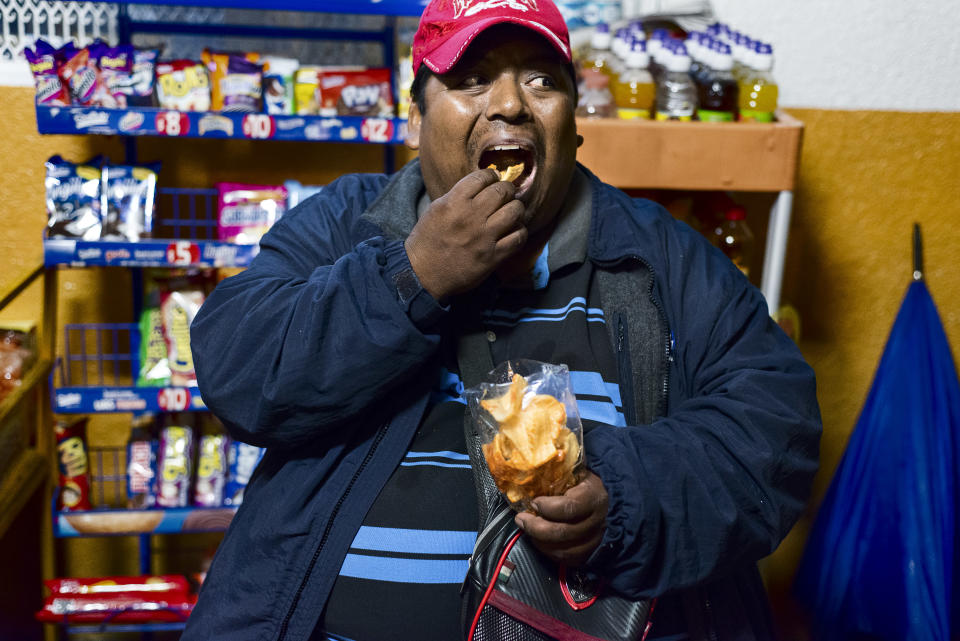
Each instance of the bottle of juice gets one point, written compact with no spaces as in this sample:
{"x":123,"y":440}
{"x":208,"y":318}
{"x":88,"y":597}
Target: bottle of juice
{"x":634,"y":91}
{"x":598,"y":58}
{"x":596,"y":101}
{"x":676,"y":93}
{"x":735,"y":239}
{"x":758,"y":89}
{"x":717,"y":95}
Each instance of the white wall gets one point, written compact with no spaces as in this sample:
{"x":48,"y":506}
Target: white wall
{"x":858,"y":54}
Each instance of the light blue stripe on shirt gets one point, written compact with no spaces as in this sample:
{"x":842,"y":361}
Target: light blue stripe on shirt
{"x":441,"y":454}
{"x":381,"y":568}
{"x":601,"y":412}
{"x":593,"y":384}
{"x":409,"y":541}
{"x":464,"y":466}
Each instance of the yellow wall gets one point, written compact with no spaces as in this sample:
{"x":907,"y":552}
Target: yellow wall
{"x":865,"y":178}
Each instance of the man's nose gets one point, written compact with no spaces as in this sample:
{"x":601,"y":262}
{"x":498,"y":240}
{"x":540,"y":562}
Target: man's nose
{"x":506,"y":100}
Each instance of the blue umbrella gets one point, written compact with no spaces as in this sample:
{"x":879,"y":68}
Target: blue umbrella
{"x":881,"y":561}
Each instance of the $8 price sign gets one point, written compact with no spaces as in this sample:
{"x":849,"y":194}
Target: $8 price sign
{"x":183,"y":252}
{"x":173,"y":399}
{"x":173,"y":123}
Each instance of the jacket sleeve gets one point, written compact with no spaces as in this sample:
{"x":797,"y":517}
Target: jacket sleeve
{"x":720,"y":480}
{"x":314,"y":331}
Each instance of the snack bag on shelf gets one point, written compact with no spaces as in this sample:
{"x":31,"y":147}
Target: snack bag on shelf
{"x":127,"y":201}
{"x":305,"y":85}
{"x":246,"y":212}
{"x":144,"y":599}
{"x":154,"y":363}
{"x":74,"y":464}
{"x":356,"y":93}
{"x":242,"y":460}
{"x":17,"y":353}
{"x":116,"y":75}
{"x":140,"y":92}
{"x":278,"y":83}
{"x":73,"y":200}
{"x":183,"y":85}
{"x":44,"y":65}
{"x":211,"y":470}
{"x":529,"y":427}
{"x":236,"y":81}
{"x":179,"y":303}
{"x":174,"y":466}
{"x":146,"y":583}
{"x":141,"y":464}
{"x":80,"y":75}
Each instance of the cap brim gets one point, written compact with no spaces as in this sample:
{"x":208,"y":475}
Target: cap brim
{"x":445,"y":57}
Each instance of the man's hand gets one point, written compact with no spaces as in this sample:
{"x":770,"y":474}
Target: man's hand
{"x":569,"y":528}
{"x":466,"y":233}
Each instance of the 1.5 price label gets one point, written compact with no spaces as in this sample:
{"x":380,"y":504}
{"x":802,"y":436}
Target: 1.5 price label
{"x":173,"y":123}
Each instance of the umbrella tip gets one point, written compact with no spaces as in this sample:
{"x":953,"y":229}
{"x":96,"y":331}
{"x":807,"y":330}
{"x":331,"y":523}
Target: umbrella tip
{"x":917,"y":253}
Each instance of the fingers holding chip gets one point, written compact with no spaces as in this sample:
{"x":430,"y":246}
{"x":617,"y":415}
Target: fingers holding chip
{"x":509,"y":174}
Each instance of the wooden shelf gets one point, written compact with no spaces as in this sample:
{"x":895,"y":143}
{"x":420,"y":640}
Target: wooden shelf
{"x":18,"y":484}
{"x":637,"y":154}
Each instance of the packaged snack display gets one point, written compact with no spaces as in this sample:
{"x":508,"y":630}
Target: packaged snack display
{"x":74,"y":464}
{"x":116,"y":75}
{"x":183,"y":85}
{"x":242,"y":460}
{"x":140,"y":92}
{"x":118,"y":599}
{"x":146,"y":583}
{"x":44,"y":65}
{"x":306,"y":83}
{"x":73,"y":200}
{"x":278,"y":83}
{"x":141,"y":464}
{"x":178,"y":306}
{"x":79,"y":73}
{"x":246,"y":212}
{"x":127,"y":201}
{"x":17,"y":353}
{"x":211,"y":470}
{"x":531,"y":433}
{"x":174,"y":466}
{"x":236,"y":81}
{"x":356,"y":93}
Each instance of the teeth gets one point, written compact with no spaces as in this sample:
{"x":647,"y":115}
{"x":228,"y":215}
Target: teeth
{"x":507,"y":148}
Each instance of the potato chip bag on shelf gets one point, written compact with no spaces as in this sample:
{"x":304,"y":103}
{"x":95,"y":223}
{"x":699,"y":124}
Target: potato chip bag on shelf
{"x":183,"y":85}
{"x":245,"y":212}
{"x":528,"y":424}
{"x":236,"y":81}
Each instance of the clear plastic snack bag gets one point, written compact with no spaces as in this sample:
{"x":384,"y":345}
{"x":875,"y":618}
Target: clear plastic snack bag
{"x":530,"y":430}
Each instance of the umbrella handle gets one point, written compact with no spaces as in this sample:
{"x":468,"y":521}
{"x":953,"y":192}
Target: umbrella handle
{"x":917,"y":253}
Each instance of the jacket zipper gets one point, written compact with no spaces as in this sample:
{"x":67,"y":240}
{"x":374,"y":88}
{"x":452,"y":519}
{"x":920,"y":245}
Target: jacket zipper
{"x":628,"y":397}
{"x":326,"y":532}
{"x":708,"y":624}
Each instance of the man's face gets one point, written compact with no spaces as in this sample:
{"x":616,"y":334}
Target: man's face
{"x":509,"y":99}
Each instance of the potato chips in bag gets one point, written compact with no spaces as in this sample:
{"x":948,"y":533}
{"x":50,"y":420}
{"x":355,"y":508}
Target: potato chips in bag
{"x":530,"y":430}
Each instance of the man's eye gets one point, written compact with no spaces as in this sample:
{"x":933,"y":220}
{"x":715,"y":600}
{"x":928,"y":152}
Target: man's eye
{"x":543,"y":82}
{"x":472,"y":81}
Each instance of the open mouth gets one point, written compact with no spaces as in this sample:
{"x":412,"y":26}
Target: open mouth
{"x":508,"y":160}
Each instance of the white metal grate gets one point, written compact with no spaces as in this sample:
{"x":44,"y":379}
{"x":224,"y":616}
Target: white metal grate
{"x":23,"y":21}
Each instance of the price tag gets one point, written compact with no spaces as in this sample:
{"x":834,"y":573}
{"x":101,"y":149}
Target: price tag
{"x":173,"y":123}
{"x":259,"y":126}
{"x":173,"y":399}
{"x":376,"y":129}
{"x":183,"y":252}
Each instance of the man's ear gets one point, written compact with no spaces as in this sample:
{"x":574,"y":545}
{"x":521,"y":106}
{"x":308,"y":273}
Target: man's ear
{"x":414,"y":119}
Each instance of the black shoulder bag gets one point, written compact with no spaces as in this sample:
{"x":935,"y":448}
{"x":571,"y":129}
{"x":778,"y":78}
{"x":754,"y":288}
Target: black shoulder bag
{"x":512,"y":592}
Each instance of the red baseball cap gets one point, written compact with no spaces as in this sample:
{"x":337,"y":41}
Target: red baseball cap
{"x":447,"y":27}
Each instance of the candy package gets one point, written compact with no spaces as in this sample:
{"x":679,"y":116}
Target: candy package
{"x":211,"y":470}
{"x":154,"y":364}
{"x":147,"y":583}
{"x":118,"y":600}
{"x":73,"y":200}
{"x":174,"y":466}
{"x":141,"y":464}
{"x":183,"y":85}
{"x":278,"y":83}
{"x":127,"y":201}
{"x":178,"y":306}
{"x":527,"y":420}
{"x":246,"y":212}
{"x":80,"y":74}
{"x":236,"y":81}
{"x":140,"y":92}
{"x":44,"y":65}
{"x":242,"y":460}
{"x":356,"y":93}
{"x":116,"y":75}
{"x":74,"y":464}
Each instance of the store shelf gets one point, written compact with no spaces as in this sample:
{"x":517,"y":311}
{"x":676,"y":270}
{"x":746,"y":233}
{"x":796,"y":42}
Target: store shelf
{"x":637,"y":154}
{"x":146,"y":253}
{"x":34,"y":376}
{"x":18,"y":484}
{"x":197,"y":124}
{"x":155,"y":521}
{"x":116,"y":628}
{"x":106,"y":400}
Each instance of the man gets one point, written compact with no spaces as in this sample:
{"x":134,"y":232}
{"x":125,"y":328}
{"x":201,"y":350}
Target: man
{"x":338,"y":350}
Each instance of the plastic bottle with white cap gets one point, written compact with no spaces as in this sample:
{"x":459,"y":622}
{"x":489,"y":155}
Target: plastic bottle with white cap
{"x":758,"y":89}
{"x":634,"y":91}
{"x":676,"y":93}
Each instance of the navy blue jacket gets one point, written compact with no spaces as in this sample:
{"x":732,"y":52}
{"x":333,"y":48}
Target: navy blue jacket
{"x":311,"y":353}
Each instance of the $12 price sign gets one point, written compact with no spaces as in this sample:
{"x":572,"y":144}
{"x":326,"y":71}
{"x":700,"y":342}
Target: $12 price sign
{"x":376,"y":129}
